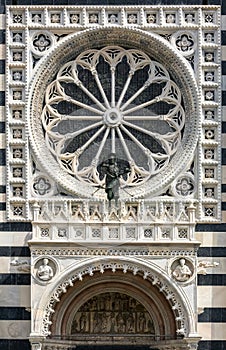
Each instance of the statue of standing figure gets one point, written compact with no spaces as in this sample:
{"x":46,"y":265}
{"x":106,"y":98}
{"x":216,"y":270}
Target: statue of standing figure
{"x":113,"y":168}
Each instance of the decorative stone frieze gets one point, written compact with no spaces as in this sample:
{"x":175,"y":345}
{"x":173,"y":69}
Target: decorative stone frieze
{"x":114,"y":251}
{"x":88,"y":221}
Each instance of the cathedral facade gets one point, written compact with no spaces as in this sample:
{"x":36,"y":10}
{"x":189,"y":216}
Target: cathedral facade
{"x":112,"y":212}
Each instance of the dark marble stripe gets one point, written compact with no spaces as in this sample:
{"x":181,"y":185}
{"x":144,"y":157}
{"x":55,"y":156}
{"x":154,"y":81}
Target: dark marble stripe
{"x":15,"y":279}
{"x":223,"y":129}
{"x":2,"y":127}
{"x":20,"y":344}
{"x":223,"y":37}
{"x":2,"y":36}
{"x":223,"y":67}
{"x":212,"y":280}
{"x":210,"y":227}
{"x":215,"y":314}
{"x":113,"y":2}
{"x":223,"y":12}
{"x":14,"y":251}
{"x":2,"y":206}
{"x":2,"y":66}
{"x":14,"y":313}
{"x":223,"y":155}
{"x":2,"y":98}
{"x":212,"y":345}
{"x":109,"y":2}
{"x":223,"y":98}
{"x":2,"y":156}
{"x":2,"y":189}
{"x":16,"y":226}
{"x":212,"y":252}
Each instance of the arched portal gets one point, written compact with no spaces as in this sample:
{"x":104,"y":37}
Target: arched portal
{"x":114,"y":301}
{"x":114,"y":304}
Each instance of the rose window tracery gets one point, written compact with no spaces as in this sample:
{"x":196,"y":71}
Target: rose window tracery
{"x":113,"y":100}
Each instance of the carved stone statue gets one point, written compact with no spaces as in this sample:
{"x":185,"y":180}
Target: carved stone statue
{"x":45,"y":272}
{"x":83,"y":322}
{"x":113,"y":168}
{"x":120,"y":323}
{"x":182,"y":272}
{"x":130,"y":322}
{"x":142,"y":322}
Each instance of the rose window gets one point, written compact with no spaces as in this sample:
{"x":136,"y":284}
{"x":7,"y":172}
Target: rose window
{"x":113,"y":100}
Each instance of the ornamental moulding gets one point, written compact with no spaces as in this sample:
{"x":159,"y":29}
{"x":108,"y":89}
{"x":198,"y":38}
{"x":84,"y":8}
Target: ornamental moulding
{"x":114,"y":251}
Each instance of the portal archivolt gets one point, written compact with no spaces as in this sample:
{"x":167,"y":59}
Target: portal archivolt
{"x":114,"y":304}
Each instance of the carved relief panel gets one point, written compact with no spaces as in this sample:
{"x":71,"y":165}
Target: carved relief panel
{"x":112,"y":313}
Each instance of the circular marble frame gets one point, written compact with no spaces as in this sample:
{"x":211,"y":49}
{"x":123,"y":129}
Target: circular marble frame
{"x":153,"y":45}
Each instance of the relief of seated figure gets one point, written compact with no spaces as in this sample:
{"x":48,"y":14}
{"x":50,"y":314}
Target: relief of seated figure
{"x":45,"y":272}
{"x":182,"y":272}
